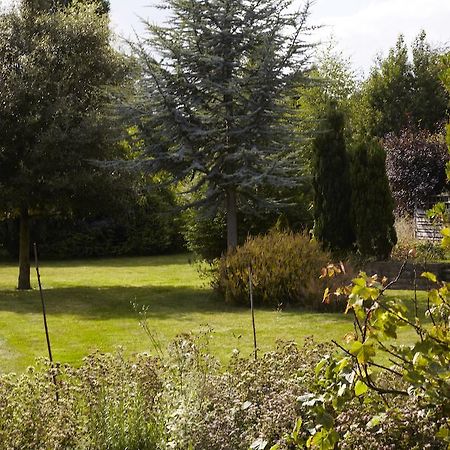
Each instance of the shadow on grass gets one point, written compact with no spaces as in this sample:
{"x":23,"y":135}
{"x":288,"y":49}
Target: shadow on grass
{"x":122,"y":261}
{"x":119,"y":261}
{"x":116,"y":302}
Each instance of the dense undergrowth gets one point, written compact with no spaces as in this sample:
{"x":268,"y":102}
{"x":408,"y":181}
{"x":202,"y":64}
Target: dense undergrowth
{"x":186,"y":400}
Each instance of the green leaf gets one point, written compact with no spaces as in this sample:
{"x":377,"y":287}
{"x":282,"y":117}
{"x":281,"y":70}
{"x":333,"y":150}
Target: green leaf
{"x":323,"y":440}
{"x":376,"y":420}
{"x":355,"y":348}
{"x":361,"y":282}
{"x":444,"y":433}
{"x":366,"y":354}
{"x":360,"y":388}
{"x":363,"y":352}
{"x":430,"y":276}
{"x":297,"y":428}
{"x":446,"y":242}
{"x":342,"y":364}
{"x":419,"y":361}
{"x":434,"y":298}
{"x":325,"y":419}
{"x":320,"y":365}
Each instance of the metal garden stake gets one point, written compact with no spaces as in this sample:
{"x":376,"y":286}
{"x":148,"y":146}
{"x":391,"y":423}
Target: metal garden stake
{"x":250,"y":285}
{"x":44,"y":314}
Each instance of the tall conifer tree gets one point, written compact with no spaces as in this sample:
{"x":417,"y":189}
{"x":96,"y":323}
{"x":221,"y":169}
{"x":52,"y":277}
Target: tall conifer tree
{"x":372,"y":203}
{"x":332,"y":225}
{"x":213,"y":83}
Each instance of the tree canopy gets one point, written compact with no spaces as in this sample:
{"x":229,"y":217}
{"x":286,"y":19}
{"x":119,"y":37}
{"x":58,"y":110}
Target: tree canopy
{"x":54,"y":67}
{"x":401,"y":92}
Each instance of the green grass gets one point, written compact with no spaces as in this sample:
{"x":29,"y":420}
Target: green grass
{"x":89,"y":308}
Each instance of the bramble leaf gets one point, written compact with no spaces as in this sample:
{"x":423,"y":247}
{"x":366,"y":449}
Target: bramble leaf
{"x":360,"y":388}
{"x":430,"y":276}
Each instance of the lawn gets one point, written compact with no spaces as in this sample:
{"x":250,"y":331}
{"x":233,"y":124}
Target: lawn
{"x":89,"y":306}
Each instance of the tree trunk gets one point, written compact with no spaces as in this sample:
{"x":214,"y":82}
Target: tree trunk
{"x":231,"y":219}
{"x":24,"y":251}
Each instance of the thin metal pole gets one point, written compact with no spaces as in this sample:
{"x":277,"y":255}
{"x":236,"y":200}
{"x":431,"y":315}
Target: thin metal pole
{"x":44,"y":314}
{"x":250,"y":283}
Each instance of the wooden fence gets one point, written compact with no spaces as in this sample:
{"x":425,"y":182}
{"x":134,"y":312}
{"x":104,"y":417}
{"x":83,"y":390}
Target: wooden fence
{"x":424,"y":228}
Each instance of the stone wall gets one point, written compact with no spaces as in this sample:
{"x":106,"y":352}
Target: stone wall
{"x":411,"y":271}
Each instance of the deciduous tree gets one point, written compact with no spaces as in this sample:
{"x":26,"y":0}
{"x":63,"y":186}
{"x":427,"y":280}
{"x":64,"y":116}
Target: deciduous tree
{"x":402,"y":92}
{"x":54,"y":66}
{"x":415,"y":167}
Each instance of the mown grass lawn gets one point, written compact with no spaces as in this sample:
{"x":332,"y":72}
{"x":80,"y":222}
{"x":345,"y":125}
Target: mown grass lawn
{"x":89,"y":306}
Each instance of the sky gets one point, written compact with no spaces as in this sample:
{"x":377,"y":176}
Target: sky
{"x":361,"y":28}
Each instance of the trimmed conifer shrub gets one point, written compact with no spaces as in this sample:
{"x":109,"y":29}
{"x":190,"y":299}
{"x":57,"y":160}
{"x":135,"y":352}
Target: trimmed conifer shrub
{"x":332,"y":224}
{"x":372,"y":204}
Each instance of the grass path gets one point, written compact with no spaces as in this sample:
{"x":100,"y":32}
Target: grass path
{"x":89,"y":308}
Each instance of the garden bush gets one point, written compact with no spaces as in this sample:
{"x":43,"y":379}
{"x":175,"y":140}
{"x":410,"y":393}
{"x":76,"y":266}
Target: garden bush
{"x":252,"y":401}
{"x":285,"y":271}
{"x":107,"y":403}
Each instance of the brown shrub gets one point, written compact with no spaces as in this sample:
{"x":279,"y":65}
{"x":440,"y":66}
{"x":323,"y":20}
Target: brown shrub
{"x":285,"y":266}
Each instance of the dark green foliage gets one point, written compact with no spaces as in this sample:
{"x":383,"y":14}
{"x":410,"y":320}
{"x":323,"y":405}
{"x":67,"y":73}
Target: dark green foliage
{"x":372,"y":204}
{"x":429,"y":97}
{"x":144,"y":225}
{"x":332,"y":197}
{"x":400,"y":93}
{"x":445,"y":78}
{"x":55,"y":71}
{"x":388,"y":92}
{"x":216,"y":92}
{"x":101,"y":6}
{"x":206,"y":236}
{"x":53,"y":111}
{"x":332,"y":79}
{"x":285,"y":267}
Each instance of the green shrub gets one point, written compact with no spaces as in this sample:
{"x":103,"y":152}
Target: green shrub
{"x":285,"y":267}
{"x":205,"y":236}
{"x":422,"y":251}
{"x":146,"y":225}
{"x":251,"y":400}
